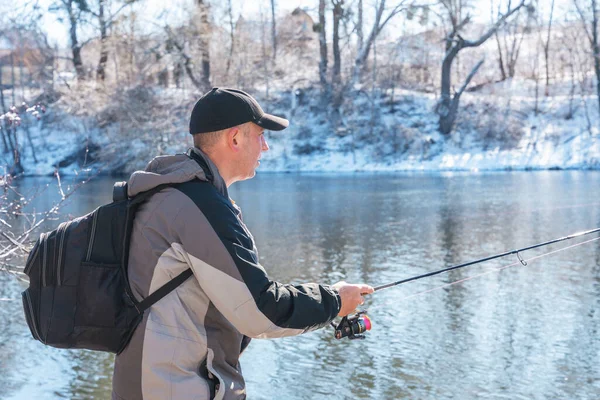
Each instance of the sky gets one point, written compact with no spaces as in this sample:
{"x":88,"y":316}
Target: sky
{"x":154,"y":13}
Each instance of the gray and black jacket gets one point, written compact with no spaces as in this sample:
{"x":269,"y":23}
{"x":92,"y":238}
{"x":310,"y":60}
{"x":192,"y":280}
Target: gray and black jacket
{"x":188,"y":344}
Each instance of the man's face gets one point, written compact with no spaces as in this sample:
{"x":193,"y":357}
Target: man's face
{"x":254,"y":143}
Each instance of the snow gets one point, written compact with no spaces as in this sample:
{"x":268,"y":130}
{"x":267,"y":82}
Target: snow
{"x":493,"y":132}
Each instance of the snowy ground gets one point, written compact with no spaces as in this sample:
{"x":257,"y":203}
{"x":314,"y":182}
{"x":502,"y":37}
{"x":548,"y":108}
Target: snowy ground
{"x":493,"y":133}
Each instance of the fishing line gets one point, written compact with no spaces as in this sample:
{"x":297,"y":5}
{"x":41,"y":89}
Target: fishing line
{"x":497,"y":269}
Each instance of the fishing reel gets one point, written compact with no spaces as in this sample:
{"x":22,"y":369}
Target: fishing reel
{"x":353,"y":326}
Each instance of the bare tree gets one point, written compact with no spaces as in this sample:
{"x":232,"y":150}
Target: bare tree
{"x":322,"y":48}
{"x":273,"y":29}
{"x":204,"y":40}
{"x":510,"y":41}
{"x":100,"y":69}
{"x":105,"y":20}
{"x":359,"y":25}
{"x":75,"y":11}
{"x":590,"y":15}
{"x":19,"y":226}
{"x":546,"y":47}
{"x":447,"y":107}
{"x":338,"y":11}
{"x":231,"y":37}
{"x":187,"y":60}
{"x":378,"y":25}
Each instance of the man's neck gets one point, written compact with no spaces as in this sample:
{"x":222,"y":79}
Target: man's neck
{"x":222,"y":166}
{"x":215,"y":170}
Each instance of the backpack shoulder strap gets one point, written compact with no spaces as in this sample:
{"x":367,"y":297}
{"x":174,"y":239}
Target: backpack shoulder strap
{"x":168,"y":287}
{"x":143,"y":196}
{"x":163,"y":291}
{"x":120,"y":191}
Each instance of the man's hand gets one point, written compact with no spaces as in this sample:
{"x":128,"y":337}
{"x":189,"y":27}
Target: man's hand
{"x":351,"y":296}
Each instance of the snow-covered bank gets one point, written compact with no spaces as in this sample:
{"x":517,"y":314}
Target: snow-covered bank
{"x":399,"y":134}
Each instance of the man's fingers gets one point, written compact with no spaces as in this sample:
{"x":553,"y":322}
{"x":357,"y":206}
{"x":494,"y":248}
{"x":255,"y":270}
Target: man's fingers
{"x":366,"y":289}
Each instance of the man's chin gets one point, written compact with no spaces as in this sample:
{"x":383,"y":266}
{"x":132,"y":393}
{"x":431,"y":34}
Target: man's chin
{"x":250,"y":176}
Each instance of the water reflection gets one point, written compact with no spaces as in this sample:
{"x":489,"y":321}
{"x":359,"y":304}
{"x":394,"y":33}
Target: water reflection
{"x":525,"y":332}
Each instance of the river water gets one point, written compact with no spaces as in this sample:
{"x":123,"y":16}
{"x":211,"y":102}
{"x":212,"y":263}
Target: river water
{"x":524,"y":332}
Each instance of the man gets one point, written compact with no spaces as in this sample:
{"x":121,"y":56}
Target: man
{"x":188,"y":344}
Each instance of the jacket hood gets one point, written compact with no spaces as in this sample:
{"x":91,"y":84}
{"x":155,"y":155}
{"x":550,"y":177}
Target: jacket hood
{"x":177,"y":168}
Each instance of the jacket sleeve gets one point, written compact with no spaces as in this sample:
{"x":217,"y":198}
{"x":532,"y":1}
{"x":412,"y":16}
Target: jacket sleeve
{"x":225,"y":262}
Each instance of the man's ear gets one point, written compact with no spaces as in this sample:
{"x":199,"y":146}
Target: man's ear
{"x":233,"y":139}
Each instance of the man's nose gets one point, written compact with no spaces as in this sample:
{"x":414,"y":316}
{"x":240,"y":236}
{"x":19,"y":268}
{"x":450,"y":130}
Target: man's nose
{"x":265,"y":145}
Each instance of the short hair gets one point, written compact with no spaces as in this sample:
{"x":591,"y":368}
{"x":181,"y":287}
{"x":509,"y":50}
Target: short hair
{"x":205,"y":141}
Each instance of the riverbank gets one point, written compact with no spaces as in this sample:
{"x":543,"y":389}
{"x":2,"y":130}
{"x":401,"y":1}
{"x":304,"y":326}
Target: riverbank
{"x":377,"y":131}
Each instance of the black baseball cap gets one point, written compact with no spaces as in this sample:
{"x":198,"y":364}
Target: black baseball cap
{"x":223,"y":108}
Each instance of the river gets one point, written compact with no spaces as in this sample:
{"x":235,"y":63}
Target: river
{"x":524,"y":332}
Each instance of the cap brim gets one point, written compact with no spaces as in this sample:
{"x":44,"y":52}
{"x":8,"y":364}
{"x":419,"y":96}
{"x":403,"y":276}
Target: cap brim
{"x":273,"y":123}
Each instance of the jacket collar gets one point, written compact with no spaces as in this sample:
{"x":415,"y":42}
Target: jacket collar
{"x":210,"y":169}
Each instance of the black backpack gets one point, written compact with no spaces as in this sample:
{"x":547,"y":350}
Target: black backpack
{"x":79,"y":294}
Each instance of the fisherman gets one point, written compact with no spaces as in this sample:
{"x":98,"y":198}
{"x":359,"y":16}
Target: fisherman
{"x":189,"y":343}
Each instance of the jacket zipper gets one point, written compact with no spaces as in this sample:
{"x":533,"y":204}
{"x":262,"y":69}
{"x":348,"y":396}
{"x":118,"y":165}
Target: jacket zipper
{"x":92,"y":235}
{"x":60,"y":251}
{"x":36,"y":332}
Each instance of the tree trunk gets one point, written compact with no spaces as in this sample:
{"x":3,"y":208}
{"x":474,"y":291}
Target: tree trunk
{"x":573,"y":86}
{"x":322,"y":48}
{"x":547,"y":51}
{"x":17,"y":167}
{"x":101,"y":69}
{"x":205,"y":43}
{"x":2,"y":93}
{"x":5,"y":144}
{"x":361,"y":57}
{"x":2,"y":130}
{"x":596,"y":47}
{"x":265,"y":65}
{"x":273,"y":30}
{"x":12,"y":77}
{"x":592,"y":37}
{"x":500,"y":59}
{"x":75,"y":47}
{"x":31,"y":146}
{"x":231,"y":37}
{"x":359,"y":25}
{"x":448,"y":106}
{"x":21,"y":57}
{"x":364,"y":50}
{"x":337,"y":59}
{"x":447,"y":118}
{"x":187,"y":61}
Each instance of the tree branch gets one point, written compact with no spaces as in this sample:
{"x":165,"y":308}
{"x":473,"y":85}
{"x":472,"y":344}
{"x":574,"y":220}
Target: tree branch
{"x":468,"y":80}
{"x":493,"y":29}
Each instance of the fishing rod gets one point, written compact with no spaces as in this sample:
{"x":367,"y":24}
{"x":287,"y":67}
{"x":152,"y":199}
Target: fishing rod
{"x":353,"y":326}
{"x":517,"y":251}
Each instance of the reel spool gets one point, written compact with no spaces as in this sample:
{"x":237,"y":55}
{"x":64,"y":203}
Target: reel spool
{"x":353,"y":326}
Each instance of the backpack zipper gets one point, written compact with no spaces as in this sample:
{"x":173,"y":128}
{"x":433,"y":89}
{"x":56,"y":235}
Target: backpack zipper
{"x":52,"y":269}
{"x":36,"y":250}
{"x":44,"y":259}
{"x":35,"y":332}
{"x":92,"y":235}
{"x":60,"y":250}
